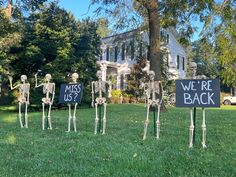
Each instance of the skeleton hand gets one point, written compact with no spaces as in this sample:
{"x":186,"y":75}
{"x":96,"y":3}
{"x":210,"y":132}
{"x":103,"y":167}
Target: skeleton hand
{"x":27,"y":102}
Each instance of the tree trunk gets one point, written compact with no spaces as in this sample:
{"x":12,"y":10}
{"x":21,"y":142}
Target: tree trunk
{"x":9,"y":9}
{"x":154,"y":38}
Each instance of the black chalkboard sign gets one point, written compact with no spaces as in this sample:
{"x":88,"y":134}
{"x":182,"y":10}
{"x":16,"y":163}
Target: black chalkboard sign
{"x":198,"y":93}
{"x":71,"y":93}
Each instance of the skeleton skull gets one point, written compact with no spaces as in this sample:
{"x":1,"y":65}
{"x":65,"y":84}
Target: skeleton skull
{"x":48,"y":77}
{"x":23,"y":78}
{"x":193,"y":68}
{"x":152,"y":75}
{"x":99,"y":74}
{"x":74,"y":77}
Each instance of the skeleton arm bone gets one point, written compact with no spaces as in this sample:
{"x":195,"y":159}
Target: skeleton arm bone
{"x":109,"y":89}
{"x":53,"y":93}
{"x":92,"y":104}
{"x":28,"y":95}
{"x":36,"y":82}
{"x":12,"y":88}
{"x":161,"y":93}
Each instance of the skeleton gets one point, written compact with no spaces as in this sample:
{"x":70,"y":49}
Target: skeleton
{"x":100,"y":88}
{"x":23,"y":98}
{"x":193,"y":68}
{"x":151,"y":90}
{"x":74,"y":78}
{"x":49,"y":91}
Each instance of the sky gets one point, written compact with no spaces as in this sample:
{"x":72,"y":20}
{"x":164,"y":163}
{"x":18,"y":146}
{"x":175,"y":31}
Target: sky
{"x":81,"y":9}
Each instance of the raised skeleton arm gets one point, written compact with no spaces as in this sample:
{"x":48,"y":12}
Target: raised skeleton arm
{"x":10,"y":79}
{"x":36,"y":82}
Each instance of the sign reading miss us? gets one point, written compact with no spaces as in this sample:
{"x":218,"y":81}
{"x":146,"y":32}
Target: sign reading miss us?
{"x":198,"y":93}
{"x":71,"y":93}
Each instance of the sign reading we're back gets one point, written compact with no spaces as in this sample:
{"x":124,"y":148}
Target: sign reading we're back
{"x":198,"y":93}
{"x":71,"y":93}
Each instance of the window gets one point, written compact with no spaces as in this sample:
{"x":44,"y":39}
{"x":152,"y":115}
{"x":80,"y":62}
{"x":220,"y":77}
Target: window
{"x":177,"y":61}
{"x":123,"y":52}
{"x":141,"y":48}
{"x":167,"y":38}
{"x":132,"y":49}
{"x":107,"y":53}
{"x":183,"y":63}
{"x":116,"y":53}
{"x":128,"y":50}
{"x":112,"y":54}
{"x":167,"y":59}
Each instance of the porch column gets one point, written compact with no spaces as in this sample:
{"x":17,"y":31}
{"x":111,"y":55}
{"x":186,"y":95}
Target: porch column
{"x":118,"y":80}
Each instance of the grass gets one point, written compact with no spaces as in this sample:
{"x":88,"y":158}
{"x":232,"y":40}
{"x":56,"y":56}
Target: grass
{"x":121,"y":152}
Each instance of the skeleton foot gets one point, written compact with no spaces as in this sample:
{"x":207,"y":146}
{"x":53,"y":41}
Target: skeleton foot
{"x":74,"y":123}
{"x":158,"y":130}
{"x":26,"y":120}
{"x":96,"y":125}
{"x":69,"y":121}
{"x":104,"y":126}
{"x":145,"y":129}
{"x":191,"y":136}
{"x":49,"y":123}
{"x":43,"y":122}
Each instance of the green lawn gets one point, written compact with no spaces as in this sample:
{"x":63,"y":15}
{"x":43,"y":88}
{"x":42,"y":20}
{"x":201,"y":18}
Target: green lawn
{"x":121,"y":152}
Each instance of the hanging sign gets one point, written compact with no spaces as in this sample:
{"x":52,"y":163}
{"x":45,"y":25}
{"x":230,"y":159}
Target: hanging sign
{"x":71,"y":93}
{"x":198,"y":93}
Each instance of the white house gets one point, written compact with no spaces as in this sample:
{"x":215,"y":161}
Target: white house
{"x":119,"y":54}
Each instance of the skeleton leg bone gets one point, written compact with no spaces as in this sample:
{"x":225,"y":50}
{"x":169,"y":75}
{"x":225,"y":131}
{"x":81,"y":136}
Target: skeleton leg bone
{"x":43,"y":117}
{"x":20,"y":116}
{"x":104,"y":119}
{"x":49,"y":117}
{"x":191,"y":129}
{"x":158,"y":121}
{"x":26,"y":115}
{"x":96,"y":118}
{"x":203,"y":128}
{"x":74,"y":117}
{"x":69,"y":118}
{"x":146,"y":123}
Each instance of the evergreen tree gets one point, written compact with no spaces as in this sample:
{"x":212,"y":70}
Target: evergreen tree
{"x":137,"y":76}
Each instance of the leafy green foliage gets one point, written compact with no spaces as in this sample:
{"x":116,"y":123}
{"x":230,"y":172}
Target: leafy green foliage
{"x":121,"y":151}
{"x":136,"y":77}
{"x":220,"y":30}
{"x":54,"y":42}
{"x":203,"y":53}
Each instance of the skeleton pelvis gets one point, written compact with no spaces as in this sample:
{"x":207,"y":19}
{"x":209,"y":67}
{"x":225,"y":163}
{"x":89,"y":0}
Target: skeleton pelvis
{"x":46,"y":100}
{"x":153,"y":102}
{"x":22,"y":99}
{"x":101,"y":100}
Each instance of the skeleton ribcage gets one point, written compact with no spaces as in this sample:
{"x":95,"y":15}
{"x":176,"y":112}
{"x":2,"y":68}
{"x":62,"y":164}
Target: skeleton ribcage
{"x":24,"y":88}
{"x":99,"y":87}
{"x":48,"y":88}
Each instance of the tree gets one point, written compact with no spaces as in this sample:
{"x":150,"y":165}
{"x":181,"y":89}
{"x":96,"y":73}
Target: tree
{"x":220,"y":29}
{"x":137,"y":76}
{"x":203,"y":53}
{"x":103,"y":29}
{"x":54,"y":42}
{"x":156,"y":13}
{"x":21,"y":5}
{"x":225,"y":42}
